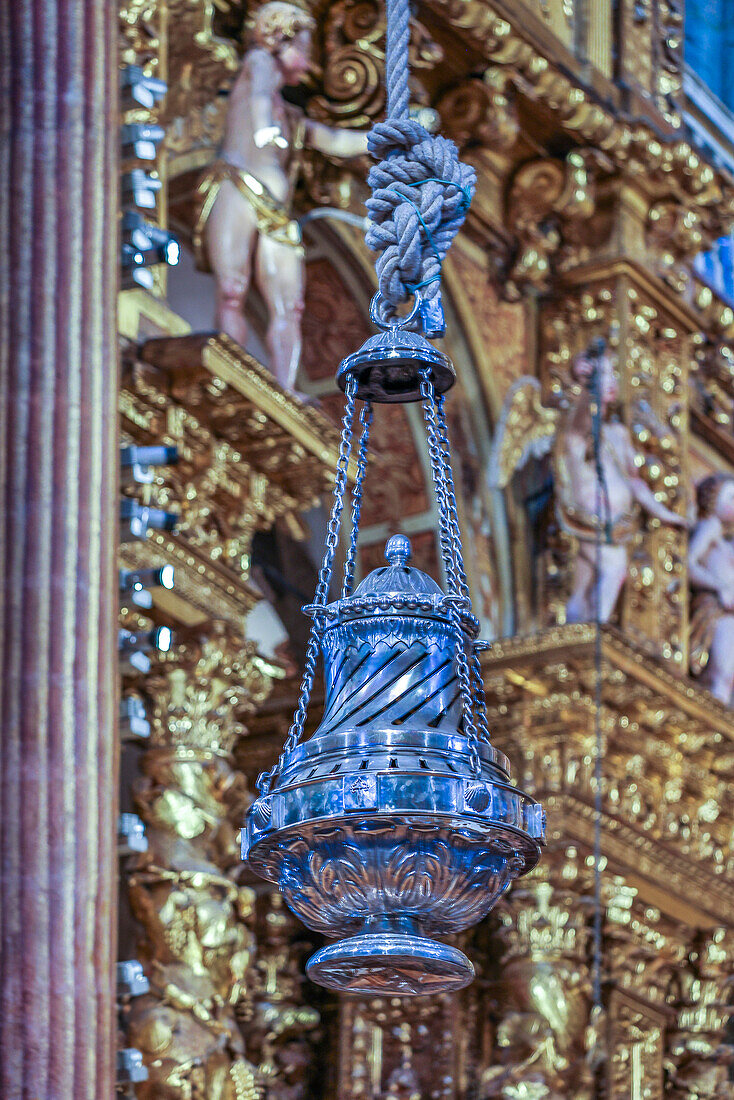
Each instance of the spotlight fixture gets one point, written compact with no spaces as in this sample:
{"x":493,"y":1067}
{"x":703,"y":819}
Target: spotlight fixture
{"x":136,"y":519}
{"x":138,"y":597}
{"x":134,"y":648}
{"x":137,"y":89}
{"x":159,"y":638}
{"x":130,"y":1067}
{"x":131,"y":836}
{"x":132,"y":579}
{"x":140,"y":140}
{"x":137,"y":463}
{"x":131,"y":981}
{"x":135,"y":585}
{"x":134,"y":722}
{"x":145,"y":245}
{"x":140,"y":188}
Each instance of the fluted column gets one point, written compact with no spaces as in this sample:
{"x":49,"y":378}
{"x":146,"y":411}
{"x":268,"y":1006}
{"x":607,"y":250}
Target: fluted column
{"x":58,"y":674}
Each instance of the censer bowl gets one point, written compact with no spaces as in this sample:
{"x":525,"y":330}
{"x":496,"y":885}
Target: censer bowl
{"x":393,"y":825}
{"x":394,"y":843}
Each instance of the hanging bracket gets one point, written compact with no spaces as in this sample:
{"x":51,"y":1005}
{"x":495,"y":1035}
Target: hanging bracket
{"x":388,"y":366}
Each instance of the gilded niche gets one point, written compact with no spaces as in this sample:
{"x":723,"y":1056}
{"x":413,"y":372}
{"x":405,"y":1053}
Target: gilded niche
{"x":547,"y":1045}
{"x":604,"y":523}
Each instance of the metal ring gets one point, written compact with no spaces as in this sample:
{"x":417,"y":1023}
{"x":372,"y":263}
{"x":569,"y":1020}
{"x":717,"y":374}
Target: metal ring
{"x":398,"y":322}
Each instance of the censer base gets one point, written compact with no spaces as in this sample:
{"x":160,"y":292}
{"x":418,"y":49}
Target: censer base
{"x":395,"y":964}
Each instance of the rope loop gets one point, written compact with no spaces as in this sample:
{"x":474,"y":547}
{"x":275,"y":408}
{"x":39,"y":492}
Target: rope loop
{"x":421,"y":192}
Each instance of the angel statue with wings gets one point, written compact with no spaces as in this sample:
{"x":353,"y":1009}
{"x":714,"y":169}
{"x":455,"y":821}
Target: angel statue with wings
{"x":597,"y":484}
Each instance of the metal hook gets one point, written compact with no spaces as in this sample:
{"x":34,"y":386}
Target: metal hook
{"x":396,"y":322}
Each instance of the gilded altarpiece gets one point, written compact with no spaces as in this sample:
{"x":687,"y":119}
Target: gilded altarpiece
{"x":587,"y":216}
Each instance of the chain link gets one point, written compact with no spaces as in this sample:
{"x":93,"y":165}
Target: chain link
{"x":295,"y":733}
{"x":365,"y":419}
{"x":454,"y":569}
{"x":480,"y":702}
{"x":436,"y":459}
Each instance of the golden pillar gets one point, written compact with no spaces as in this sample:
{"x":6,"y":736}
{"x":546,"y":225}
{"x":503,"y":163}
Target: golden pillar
{"x":542,"y":998}
{"x":197,"y":945}
{"x":58,"y":431}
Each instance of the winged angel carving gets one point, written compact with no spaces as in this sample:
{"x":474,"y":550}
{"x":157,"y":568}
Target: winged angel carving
{"x":597,"y":486}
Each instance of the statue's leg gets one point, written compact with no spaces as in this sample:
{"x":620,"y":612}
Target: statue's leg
{"x":720,"y":670}
{"x":279,"y":270}
{"x":231,"y":234}
{"x":614,"y":570}
{"x":614,"y":567}
{"x":579,"y":608}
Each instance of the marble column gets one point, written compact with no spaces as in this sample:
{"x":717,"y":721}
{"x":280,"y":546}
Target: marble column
{"x":58,"y":492}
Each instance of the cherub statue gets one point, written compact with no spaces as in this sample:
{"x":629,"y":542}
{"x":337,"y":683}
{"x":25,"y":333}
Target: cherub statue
{"x":584,"y":507}
{"x":711,"y":574}
{"x":244,"y":227}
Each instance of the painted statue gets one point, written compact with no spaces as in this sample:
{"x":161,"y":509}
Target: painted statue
{"x":711,"y":576}
{"x":583,"y":508}
{"x":245,"y":231}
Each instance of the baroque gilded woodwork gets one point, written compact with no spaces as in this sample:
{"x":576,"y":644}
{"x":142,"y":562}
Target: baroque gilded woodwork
{"x":280,"y":1028}
{"x":353,"y":58}
{"x":668,"y":760}
{"x":712,"y":371}
{"x":392,"y":1049}
{"x":481,"y":111}
{"x":196,"y":942}
{"x":249,"y":454}
{"x":550,"y":208}
{"x":591,"y":206}
{"x":698,"y":1065}
{"x":541,"y":999}
{"x":651,"y":37}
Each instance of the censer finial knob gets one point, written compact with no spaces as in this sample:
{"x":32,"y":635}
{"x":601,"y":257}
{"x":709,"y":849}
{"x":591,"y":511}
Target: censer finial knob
{"x":398,"y":550}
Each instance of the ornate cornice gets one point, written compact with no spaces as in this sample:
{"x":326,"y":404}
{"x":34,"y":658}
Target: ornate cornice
{"x":307,"y":429}
{"x":577,"y":640}
{"x":663,"y":164}
{"x":249,"y":454}
{"x":668,"y":756}
{"x":684,"y":889}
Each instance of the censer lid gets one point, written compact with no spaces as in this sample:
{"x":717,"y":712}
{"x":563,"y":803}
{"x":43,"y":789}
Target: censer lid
{"x":397,"y":577}
{"x":395,"y":589}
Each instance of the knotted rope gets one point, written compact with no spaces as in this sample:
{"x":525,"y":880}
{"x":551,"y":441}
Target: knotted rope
{"x":421,"y":191}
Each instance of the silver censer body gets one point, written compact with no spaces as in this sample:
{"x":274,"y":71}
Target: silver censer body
{"x":396,"y":822}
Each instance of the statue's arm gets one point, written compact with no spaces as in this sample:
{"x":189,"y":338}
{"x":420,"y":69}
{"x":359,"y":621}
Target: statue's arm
{"x":707,"y":532}
{"x":342,"y":144}
{"x":572,"y":453}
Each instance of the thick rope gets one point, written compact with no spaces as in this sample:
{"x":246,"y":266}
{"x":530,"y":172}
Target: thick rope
{"x":396,"y":58}
{"x":421,"y":191}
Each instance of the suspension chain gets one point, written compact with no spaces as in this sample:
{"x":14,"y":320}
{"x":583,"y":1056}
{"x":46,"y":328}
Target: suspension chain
{"x":480,"y":702}
{"x":436,"y":458}
{"x":295,"y":733}
{"x":365,"y":419}
{"x":453,"y":576}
